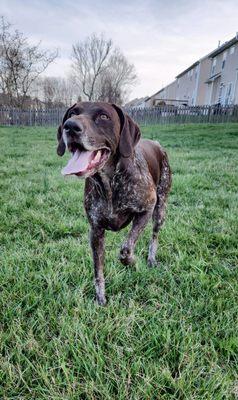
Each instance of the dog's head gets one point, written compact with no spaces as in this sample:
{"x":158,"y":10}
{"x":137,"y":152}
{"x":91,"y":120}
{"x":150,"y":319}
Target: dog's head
{"x":95,"y":133}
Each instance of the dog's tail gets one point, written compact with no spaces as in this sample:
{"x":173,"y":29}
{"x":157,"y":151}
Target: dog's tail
{"x":165,"y":181}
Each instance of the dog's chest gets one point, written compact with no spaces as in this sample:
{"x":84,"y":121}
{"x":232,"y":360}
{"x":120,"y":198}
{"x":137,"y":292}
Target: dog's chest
{"x":114,"y":205}
{"x":101,"y":213}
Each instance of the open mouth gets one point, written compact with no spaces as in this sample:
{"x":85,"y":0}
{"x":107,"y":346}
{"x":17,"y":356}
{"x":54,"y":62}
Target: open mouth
{"x":85,"y":162}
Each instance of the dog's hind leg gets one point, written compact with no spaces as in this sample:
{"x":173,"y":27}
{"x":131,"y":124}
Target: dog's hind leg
{"x":159,"y":210}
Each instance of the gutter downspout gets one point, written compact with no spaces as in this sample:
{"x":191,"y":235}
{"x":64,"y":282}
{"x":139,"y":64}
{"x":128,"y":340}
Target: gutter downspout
{"x":210,"y":101}
{"x":196,"y":88}
{"x":235,"y":97}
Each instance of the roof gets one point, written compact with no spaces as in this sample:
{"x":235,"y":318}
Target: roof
{"x":224,"y":46}
{"x":160,"y":91}
{"x":136,"y":102}
{"x":184,"y":100}
{"x":212,"y":54}
{"x":187,"y":69}
{"x":148,"y":98}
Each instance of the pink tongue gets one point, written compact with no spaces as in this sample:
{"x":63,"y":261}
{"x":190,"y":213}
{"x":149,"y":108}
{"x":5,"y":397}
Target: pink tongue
{"x":78,"y":163}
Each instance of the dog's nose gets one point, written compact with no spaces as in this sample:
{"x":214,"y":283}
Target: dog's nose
{"x":72,"y":126}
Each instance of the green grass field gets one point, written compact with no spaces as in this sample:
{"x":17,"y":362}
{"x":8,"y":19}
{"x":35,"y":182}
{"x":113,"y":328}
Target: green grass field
{"x":167,"y":333}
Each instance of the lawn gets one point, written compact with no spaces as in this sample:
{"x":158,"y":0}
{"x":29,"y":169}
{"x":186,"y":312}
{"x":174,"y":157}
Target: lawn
{"x":166,"y":333}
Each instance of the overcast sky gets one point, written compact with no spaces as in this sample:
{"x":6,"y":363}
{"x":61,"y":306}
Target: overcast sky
{"x":161,"y":38}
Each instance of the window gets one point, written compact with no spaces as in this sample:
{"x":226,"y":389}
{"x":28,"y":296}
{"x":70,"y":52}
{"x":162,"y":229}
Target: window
{"x":196,"y":73}
{"x":224,"y":55}
{"x":214,"y":62}
{"x":228,"y":94}
{"x":223,"y":64}
{"x":232,"y":50}
{"x":220,"y":93}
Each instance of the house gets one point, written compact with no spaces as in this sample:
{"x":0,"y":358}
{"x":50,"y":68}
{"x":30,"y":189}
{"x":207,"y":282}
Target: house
{"x":187,"y":89}
{"x":136,"y":103}
{"x":165,"y":96}
{"x":210,"y":80}
{"x":222,"y":85}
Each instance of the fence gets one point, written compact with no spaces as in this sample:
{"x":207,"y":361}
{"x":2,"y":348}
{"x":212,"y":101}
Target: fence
{"x":155,"y":115}
{"x":31,"y":117}
{"x":183,"y":115}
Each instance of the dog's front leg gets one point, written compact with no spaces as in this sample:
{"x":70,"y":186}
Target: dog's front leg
{"x":97,"y":245}
{"x":127,"y":250}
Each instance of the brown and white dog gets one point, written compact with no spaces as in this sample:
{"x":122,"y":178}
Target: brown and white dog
{"x":127,"y":178}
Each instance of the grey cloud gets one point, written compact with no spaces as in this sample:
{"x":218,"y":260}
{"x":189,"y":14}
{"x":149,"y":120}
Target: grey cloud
{"x":160,"y":38}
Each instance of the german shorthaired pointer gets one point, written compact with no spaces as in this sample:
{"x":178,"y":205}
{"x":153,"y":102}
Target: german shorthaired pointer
{"x":127,"y":178}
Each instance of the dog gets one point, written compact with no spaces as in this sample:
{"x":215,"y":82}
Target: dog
{"x":127,"y":178}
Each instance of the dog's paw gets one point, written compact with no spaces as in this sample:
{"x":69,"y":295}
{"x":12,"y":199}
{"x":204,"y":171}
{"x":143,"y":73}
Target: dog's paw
{"x":152,"y":263}
{"x":126,"y":257}
{"x":101,"y":301}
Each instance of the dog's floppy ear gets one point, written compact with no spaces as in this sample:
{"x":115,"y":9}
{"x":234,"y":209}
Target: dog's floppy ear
{"x":130,"y":133}
{"x":61,"y":145}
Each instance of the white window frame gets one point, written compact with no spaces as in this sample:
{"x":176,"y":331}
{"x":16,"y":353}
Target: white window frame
{"x":220,"y":92}
{"x":228,"y":97}
{"x":223,"y":98}
{"x":214,"y":63}
{"x":224,"y":55}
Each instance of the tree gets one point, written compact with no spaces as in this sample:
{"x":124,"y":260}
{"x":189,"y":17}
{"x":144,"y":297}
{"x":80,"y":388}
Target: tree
{"x":89,"y":61}
{"x":101,"y":71}
{"x":20,"y":64}
{"x":117,"y":78}
{"x":58,"y":91}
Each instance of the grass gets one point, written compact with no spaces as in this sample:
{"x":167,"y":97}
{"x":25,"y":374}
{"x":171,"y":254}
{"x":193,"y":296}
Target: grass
{"x":167,"y":333}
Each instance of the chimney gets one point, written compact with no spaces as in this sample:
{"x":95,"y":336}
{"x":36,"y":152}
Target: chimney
{"x":219,"y":43}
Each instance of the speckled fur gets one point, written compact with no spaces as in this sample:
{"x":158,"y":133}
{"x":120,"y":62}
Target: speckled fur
{"x":129,"y":196}
{"x":132,"y":186}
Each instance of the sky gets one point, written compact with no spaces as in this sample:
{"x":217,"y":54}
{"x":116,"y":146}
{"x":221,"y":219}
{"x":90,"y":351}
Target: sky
{"x":161,"y":38}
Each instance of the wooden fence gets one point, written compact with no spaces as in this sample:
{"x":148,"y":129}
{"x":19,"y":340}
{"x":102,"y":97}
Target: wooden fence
{"x":183,"y":115}
{"x":31,"y":117}
{"x":144,"y":116}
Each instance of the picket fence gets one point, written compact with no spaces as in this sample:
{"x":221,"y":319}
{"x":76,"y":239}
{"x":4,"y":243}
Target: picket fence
{"x":156,"y":115}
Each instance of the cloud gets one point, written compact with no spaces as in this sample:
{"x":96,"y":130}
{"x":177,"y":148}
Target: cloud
{"x":160,"y":38}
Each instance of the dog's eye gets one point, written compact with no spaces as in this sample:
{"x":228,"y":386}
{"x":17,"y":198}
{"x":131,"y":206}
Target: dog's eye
{"x":103,"y":116}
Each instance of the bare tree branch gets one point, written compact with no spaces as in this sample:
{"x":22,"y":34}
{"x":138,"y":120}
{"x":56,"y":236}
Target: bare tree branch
{"x":57,"y":91}
{"x":20,"y":63}
{"x":100,"y":71}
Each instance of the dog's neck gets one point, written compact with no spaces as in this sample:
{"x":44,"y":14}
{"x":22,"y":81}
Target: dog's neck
{"x":104,"y":178}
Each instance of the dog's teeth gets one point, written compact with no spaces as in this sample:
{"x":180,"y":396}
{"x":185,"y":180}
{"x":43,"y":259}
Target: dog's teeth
{"x":97,"y":157}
